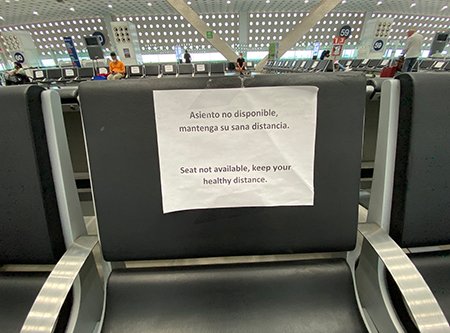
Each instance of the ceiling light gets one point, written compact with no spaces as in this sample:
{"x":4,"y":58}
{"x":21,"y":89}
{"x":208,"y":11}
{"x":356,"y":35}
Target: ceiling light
{"x":109,"y":6}
{"x":1,"y":18}
{"x":306,"y":1}
{"x":344,"y":1}
{"x":35,"y":13}
{"x":379,"y":3}
{"x":413,"y":5}
{"x":72,"y":9}
{"x":267,"y":1}
{"x":149,"y":3}
{"x":228,"y":2}
{"x":444,"y":8}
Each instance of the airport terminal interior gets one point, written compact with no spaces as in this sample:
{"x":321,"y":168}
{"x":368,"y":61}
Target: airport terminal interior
{"x":188,"y":166}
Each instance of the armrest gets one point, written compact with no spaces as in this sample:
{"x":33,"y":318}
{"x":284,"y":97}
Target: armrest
{"x":44,"y":313}
{"x":420,"y":300}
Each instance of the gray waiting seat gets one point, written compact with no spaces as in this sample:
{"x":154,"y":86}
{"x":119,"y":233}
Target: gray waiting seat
{"x":217,"y":68}
{"x":284,"y":296}
{"x":185,"y":69}
{"x":410,"y":200}
{"x":40,"y":216}
{"x":169,"y":69}
{"x":135,"y":71}
{"x":201,"y":69}
{"x":293,"y":294}
{"x":85,"y":74}
{"x":152,"y":70}
{"x":39,"y":75}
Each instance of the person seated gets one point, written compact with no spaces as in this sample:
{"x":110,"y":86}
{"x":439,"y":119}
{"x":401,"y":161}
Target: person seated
{"x":241,"y":64}
{"x":116,"y":68}
{"x":325,"y":54}
{"x":338,"y":67}
{"x":16,"y":76}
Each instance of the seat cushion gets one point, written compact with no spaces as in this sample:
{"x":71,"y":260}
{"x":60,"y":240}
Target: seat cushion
{"x":17,"y":294}
{"x":18,"y":291}
{"x":435,"y":269}
{"x":295,"y":296}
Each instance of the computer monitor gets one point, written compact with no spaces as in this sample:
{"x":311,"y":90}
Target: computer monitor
{"x":92,"y":41}
{"x":94,"y":47}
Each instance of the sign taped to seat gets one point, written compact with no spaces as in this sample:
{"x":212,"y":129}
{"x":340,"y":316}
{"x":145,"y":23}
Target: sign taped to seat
{"x":244,"y":147}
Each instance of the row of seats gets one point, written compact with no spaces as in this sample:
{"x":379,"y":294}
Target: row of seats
{"x":41,"y":221}
{"x":366,"y":65}
{"x":296,"y":66}
{"x":135,"y":71}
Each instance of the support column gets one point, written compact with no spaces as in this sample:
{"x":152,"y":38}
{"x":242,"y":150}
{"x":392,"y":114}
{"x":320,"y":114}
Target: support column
{"x":243,"y":31}
{"x":3,"y":56}
{"x":110,"y":34}
{"x":192,"y":17}
{"x":300,"y":29}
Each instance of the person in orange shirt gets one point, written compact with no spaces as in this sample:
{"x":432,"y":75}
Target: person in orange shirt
{"x":116,"y":68}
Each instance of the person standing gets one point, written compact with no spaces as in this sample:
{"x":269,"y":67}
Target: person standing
{"x":187,"y":57}
{"x":116,"y":68}
{"x":412,"y":49}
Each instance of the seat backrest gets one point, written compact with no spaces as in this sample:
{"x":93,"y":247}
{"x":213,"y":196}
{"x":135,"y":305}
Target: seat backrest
{"x":169,"y":69}
{"x":54,"y":73}
{"x":39,"y":74}
{"x":420,"y":212}
{"x":217,"y":67}
{"x":439,"y":65}
{"x":152,"y":70}
{"x":70,"y":73}
{"x":201,"y":68}
{"x":30,"y":226}
{"x":135,"y":70}
{"x":122,"y":146}
{"x":355,"y":63}
{"x":86,"y":72}
{"x":373,"y":63}
{"x":185,"y":69}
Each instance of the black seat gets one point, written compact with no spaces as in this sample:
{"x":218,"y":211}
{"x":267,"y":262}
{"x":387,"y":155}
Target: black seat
{"x":39,"y":75}
{"x":85,"y":74}
{"x":201,"y":69}
{"x":410,"y":193}
{"x":259,"y":297}
{"x":135,"y":71}
{"x":185,"y":69}
{"x":37,"y":197}
{"x":169,"y":69}
{"x":289,"y":296}
{"x":421,"y":198}
{"x":217,"y":68}
{"x":152,"y":70}
{"x":29,"y":219}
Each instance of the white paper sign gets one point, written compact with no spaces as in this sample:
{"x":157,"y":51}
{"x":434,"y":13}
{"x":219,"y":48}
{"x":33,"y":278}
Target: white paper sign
{"x":103,"y":70}
{"x":168,"y":68}
{"x":201,"y":68}
{"x":135,"y":70}
{"x":70,"y":72}
{"x":38,"y":74}
{"x":247,"y":147}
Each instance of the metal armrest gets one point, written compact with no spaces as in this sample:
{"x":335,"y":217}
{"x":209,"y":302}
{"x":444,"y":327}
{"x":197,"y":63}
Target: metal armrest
{"x":44,"y":313}
{"x":420,"y":300}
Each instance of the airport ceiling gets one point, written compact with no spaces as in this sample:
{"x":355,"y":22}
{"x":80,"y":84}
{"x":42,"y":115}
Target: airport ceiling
{"x":14,"y":12}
